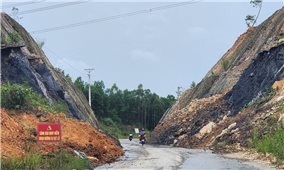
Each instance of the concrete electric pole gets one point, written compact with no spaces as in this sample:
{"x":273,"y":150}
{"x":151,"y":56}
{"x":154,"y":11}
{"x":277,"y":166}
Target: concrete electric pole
{"x":89,"y":70}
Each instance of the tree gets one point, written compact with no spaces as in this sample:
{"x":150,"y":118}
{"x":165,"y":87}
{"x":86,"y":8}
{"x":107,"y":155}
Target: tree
{"x":81,"y":85}
{"x":98,"y":98}
{"x":40,"y":43}
{"x":251,"y":19}
{"x":138,"y":107}
{"x":193,"y":84}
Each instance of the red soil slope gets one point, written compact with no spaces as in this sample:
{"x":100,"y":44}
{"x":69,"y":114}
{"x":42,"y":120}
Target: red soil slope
{"x":18,"y":136}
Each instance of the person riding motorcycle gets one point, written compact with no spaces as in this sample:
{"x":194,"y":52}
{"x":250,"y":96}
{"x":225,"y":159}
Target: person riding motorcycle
{"x":142,"y":136}
{"x":130,"y":137}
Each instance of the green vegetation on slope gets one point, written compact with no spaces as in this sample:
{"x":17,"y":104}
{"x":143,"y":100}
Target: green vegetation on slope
{"x":270,"y":137}
{"x":19,"y":96}
{"x":270,"y":143}
{"x":13,"y":38}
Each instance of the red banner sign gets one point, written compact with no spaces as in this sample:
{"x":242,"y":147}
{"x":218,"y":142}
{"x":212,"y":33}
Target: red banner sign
{"x":48,"y":132}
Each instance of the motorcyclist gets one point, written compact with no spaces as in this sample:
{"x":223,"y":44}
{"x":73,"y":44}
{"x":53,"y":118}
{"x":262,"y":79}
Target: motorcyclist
{"x":142,"y":135}
{"x":130,"y":137}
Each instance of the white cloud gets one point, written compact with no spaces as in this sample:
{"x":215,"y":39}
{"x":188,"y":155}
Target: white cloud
{"x":143,"y":56}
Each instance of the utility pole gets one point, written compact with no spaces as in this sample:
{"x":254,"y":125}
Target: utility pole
{"x":89,"y":70}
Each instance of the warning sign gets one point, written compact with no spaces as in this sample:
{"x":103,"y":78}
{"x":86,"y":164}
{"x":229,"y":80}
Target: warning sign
{"x":48,"y":132}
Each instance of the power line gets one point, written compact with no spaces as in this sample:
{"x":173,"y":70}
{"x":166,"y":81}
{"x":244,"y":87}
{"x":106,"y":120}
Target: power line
{"x":62,"y":61}
{"x":51,"y":7}
{"x":20,"y":4}
{"x":164,"y":7}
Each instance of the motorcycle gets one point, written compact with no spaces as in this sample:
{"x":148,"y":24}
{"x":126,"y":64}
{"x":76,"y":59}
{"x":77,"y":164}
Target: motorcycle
{"x":130,"y":137}
{"x":142,"y":140}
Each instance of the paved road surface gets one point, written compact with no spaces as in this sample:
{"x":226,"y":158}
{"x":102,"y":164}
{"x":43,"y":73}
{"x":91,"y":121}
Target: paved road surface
{"x":166,"y":157}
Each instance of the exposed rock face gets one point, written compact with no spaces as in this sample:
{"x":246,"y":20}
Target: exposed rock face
{"x":260,"y":75}
{"x":22,"y":61}
{"x":215,"y":110}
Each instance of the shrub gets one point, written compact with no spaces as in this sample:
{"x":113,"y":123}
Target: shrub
{"x":225,"y":64}
{"x":13,"y":37}
{"x":13,"y":96}
{"x":193,"y":84}
{"x":18,"y":96}
{"x":40,"y":43}
{"x":272,"y":143}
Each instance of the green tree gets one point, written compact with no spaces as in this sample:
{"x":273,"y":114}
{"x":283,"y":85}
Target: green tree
{"x":81,"y":85}
{"x":138,"y":107}
{"x":193,"y":84}
{"x":40,"y":43}
{"x":251,"y":19}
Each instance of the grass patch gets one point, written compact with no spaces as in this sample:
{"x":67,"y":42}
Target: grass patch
{"x":32,"y":161}
{"x":63,"y":160}
{"x":271,"y":143}
{"x":19,"y":96}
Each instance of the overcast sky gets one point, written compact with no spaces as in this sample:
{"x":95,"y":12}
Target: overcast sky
{"x":162,"y":50}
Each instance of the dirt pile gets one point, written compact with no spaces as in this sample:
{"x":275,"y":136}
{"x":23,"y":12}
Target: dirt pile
{"x":18,"y":136}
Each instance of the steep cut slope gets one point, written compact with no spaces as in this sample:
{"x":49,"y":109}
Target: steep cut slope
{"x":23,"y":61}
{"x":235,"y":95}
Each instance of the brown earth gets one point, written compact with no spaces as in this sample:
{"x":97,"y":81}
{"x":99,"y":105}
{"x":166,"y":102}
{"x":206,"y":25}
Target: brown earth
{"x":18,"y":136}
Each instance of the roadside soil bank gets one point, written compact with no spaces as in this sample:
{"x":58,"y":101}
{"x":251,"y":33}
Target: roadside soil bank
{"x":18,"y":137}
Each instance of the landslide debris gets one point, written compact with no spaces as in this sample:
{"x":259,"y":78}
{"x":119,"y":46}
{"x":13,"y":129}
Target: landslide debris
{"x":18,"y":137}
{"x":236,"y":99}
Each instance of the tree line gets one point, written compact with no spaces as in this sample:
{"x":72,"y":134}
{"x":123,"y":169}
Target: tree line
{"x":139,"y":107}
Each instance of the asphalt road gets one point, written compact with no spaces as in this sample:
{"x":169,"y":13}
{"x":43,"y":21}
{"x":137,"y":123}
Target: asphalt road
{"x":166,"y":157}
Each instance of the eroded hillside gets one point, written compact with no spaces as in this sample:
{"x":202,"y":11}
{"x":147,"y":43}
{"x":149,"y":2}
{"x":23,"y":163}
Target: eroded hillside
{"x":242,"y":92}
{"x":24,"y":62}
{"x":31,"y":89}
